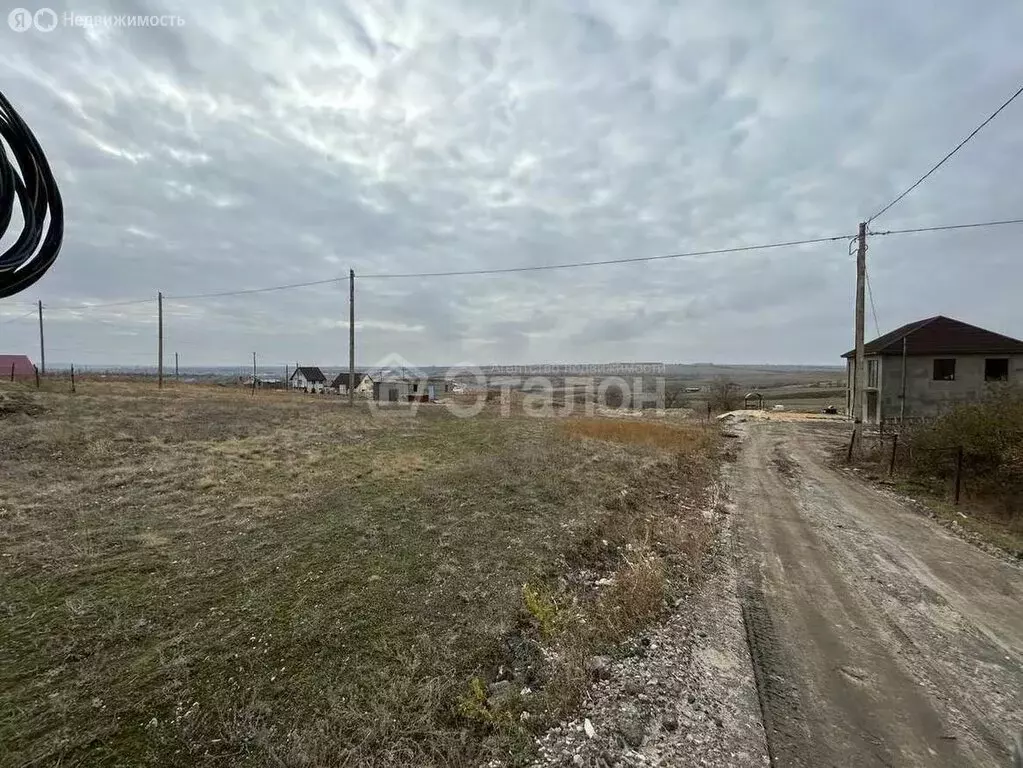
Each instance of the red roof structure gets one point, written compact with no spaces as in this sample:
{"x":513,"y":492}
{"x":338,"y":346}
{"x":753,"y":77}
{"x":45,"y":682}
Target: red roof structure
{"x":17,"y":367}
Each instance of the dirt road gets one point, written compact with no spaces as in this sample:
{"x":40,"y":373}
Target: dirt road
{"x":879,"y":639}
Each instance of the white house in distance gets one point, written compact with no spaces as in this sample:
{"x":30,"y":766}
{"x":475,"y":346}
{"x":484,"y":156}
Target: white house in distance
{"x":308,"y":378}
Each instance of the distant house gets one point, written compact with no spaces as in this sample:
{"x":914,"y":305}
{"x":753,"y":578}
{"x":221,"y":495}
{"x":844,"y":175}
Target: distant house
{"x":391,"y":389}
{"x":308,"y":378}
{"x":363,"y":383}
{"x":925,"y":367}
{"x":435,"y":387}
{"x":394,"y":389}
{"x":17,"y":367}
{"x":263,"y":382}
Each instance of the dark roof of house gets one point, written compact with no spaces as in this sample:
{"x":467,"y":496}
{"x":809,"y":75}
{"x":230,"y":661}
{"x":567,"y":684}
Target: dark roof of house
{"x":341,"y":380}
{"x":311,"y":373}
{"x":20,"y":364}
{"x":942,"y":335}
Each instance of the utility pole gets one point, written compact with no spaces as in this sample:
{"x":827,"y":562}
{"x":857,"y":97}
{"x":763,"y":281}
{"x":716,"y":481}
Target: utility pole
{"x":351,"y":337}
{"x":159,"y":324}
{"x":253,"y":373}
{"x":860,"y":379}
{"x":42,"y":345}
{"x":176,"y":366}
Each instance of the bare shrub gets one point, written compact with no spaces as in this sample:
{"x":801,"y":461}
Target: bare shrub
{"x":723,"y":394}
{"x":691,"y":538}
{"x":990,"y":434}
{"x":674,"y":397}
{"x":566,"y":676}
{"x":634,"y":598}
{"x":613,"y":398}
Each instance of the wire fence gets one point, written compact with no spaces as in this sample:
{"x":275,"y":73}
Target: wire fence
{"x":951,"y":468}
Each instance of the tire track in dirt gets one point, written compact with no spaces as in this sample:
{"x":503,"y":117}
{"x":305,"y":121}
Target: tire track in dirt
{"x":762,"y":644}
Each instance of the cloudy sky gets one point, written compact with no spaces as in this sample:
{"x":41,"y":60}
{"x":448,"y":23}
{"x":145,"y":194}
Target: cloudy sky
{"x":263,"y":143}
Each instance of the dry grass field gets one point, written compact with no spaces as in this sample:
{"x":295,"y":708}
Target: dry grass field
{"x":201,"y":575}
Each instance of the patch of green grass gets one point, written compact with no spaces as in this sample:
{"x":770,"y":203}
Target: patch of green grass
{"x":200,"y":575}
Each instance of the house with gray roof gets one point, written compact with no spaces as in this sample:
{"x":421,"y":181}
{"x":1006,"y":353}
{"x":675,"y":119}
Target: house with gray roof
{"x":308,"y":378}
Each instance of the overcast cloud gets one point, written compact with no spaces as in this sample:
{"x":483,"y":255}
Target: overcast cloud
{"x":265,"y":143}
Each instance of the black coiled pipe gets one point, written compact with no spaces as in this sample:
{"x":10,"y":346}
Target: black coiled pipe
{"x":25,"y":178}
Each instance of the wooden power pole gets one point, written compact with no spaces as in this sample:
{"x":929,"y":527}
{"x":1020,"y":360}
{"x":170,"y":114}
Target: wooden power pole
{"x":253,"y":373}
{"x":351,"y":337}
{"x":175,"y":366}
{"x":159,"y":330}
{"x":42,"y":345}
{"x":860,"y":374}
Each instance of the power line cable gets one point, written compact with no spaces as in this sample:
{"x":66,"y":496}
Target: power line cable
{"x":948,"y":227}
{"x":79,"y":351}
{"x":35,"y":189}
{"x":503,"y":270}
{"x":77,"y":307}
{"x":853,"y":242}
{"x":244,"y":291}
{"x":17,"y":319}
{"x":941,"y":162}
{"x":538,"y":268}
{"x":914,"y":230}
{"x":873,"y":309}
{"x":629,"y":260}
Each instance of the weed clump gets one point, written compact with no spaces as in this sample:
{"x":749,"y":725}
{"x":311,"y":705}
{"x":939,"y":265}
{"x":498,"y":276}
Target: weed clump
{"x":17,"y":401}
